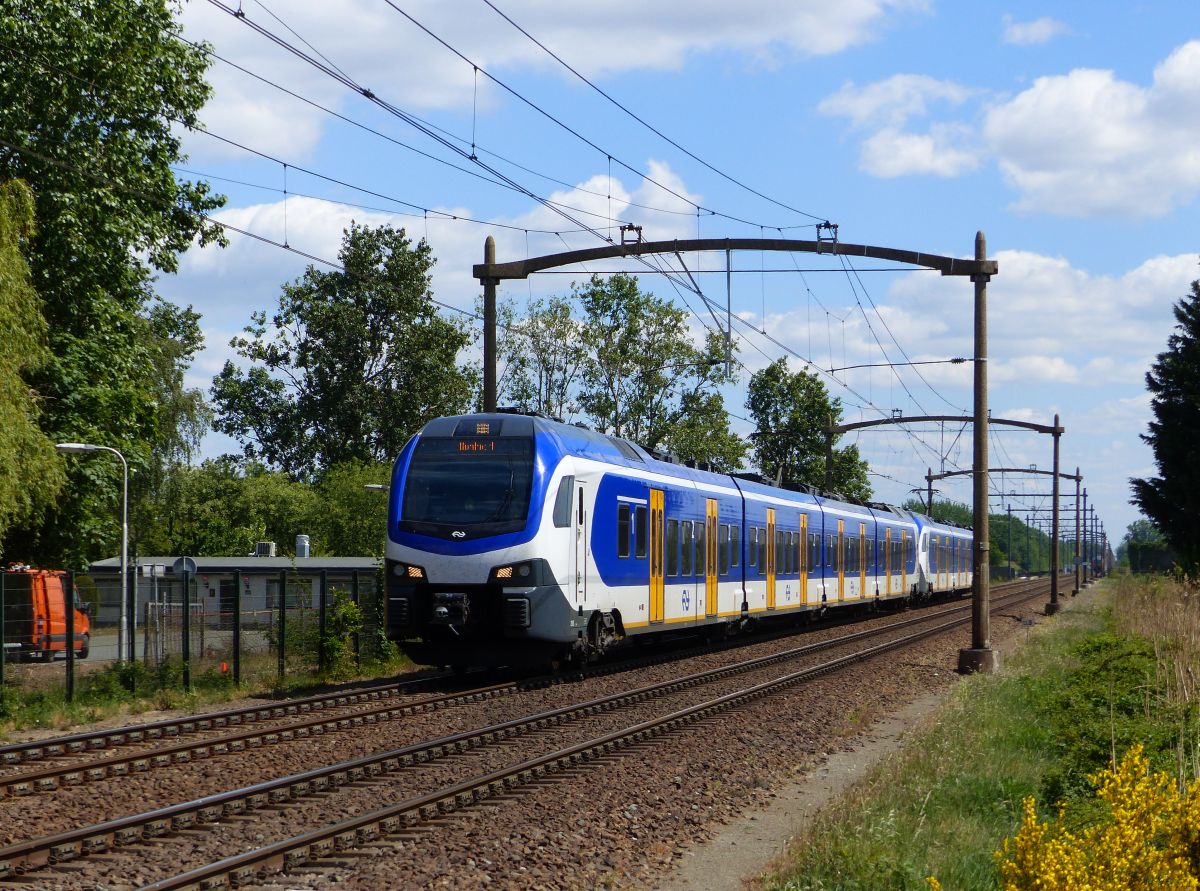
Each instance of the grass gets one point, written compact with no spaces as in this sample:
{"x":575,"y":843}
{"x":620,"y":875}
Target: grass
{"x":1081,"y":690}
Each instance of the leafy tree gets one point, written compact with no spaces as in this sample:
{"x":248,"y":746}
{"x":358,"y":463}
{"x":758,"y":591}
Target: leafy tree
{"x":645,"y":379}
{"x":89,"y":96}
{"x":1144,"y":548}
{"x":791,"y":411}
{"x":351,"y":520}
{"x":223,"y":508}
{"x":543,"y":355}
{"x":31,"y":474}
{"x":1171,"y":500}
{"x":351,"y":364}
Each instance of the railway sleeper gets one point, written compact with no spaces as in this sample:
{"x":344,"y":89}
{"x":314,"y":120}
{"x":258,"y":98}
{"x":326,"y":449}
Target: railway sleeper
{"x":346,"y":841}
{"x":210,"y":814}
{"x":63,"y":853}
{"x":183,"y":821}
{"x":129,"y":835}
{"x":321,"y":848}
{"x":97,"y":844}
{"x":254,"y":742}
{"x":161,"y":761}
{"x":367,"y":834}
{"x":257,"y":800}
{"x":213,"y":883}
{"x":389,"y":825}
{"x":279,"y":796}
{"x":188,"y":727}
{"x":232,"y":808}
{"x":47,"y":784}
{"x":295,"y":859}
{"x":140,"y":764}
{"x":220,"y":748}
{"x":75,"y":778}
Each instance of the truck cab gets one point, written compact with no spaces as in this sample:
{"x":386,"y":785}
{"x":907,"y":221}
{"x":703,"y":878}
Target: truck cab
{"x":35,"y":605}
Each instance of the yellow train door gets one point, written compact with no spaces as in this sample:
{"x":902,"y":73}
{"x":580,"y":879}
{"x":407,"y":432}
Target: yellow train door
{"x":862,"y":559}
{"x":841,"y":559}
{"x":656,"y":556}
{"x":887,"y":562}
{"x":770,"y":558}
{"x":803,"y":561}
{"x":710,"y":559}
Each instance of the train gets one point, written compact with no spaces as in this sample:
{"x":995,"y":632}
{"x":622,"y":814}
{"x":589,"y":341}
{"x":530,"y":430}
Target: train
{"x":518,"y":539}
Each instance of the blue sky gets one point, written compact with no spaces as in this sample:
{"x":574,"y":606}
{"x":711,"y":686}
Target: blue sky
{"x":1067,"y":132}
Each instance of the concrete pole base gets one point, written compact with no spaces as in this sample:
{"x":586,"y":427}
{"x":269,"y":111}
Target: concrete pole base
{"x":1052,"y":608}
{"x":985,"y":660}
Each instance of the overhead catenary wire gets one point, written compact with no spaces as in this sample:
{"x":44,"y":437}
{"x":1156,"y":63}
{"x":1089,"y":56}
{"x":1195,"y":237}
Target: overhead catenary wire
{"x":650,"y":126}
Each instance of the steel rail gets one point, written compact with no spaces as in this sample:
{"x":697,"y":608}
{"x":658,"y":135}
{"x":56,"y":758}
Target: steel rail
{"x":36,"y":853}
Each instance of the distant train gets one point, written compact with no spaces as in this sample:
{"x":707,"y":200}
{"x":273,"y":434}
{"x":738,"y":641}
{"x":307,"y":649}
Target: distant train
{"x":517,"y":539}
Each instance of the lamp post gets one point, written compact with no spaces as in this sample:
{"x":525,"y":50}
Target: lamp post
{"x":78,"y":448}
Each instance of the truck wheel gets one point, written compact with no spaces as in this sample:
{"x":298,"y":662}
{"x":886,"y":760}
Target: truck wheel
{"x":86,"y":648}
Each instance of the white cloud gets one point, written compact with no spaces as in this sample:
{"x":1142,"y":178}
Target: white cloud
{"x":940,"y":152}
{"x":1086,"y":143}
{"x":1040,"y":30}
{"x":891,"y":102}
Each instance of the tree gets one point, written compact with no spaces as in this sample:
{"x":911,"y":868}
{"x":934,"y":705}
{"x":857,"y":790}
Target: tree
{"x":644,"y":379}
{"x":791,"y":411}
{"x":543,"y":355}
{"x":90,"y":94}
{"x":351,"y":364}
{"x":1171,"y":500}
{"x":350,"y":520}
{"x":1144,"y":548}
{"x":31,"y":474}
{"x":222,"y":508}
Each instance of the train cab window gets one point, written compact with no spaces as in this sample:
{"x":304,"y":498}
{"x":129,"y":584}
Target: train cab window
{"x":622,"y":530}
{"x":735,"y":545}
{"x":686,"y":544}
{"x":672,"y":547}
{"x":723,"y":549}
{"x":762,"y":549}
{"x":641,"y":536}
{"x":562,"y":502}
{"x":701,"y":564}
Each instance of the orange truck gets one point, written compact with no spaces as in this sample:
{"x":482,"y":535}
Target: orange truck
{"x":35,"y":616}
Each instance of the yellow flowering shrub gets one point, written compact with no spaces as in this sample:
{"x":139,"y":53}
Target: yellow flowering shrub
{"x":1149,"y":840}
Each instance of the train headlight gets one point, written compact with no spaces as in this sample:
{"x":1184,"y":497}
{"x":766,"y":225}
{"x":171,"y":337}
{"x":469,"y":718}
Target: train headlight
{"x":407,"y":571}
{"x":521,"y":572}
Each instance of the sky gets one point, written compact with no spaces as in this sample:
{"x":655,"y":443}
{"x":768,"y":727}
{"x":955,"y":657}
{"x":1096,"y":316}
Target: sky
{"x":1065,"y":131}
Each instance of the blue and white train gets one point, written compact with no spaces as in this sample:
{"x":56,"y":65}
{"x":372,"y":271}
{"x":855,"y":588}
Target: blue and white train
{"x":514,"y":538}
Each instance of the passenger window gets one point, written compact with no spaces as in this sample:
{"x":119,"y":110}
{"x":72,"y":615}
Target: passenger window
{"x":672,"y":547}
{"x":687,"y":543}
{"x":701,"y":564}
{"x":622,"y":530}
{"x":723,"y":549}
{"x":562,"y":502}
{"x":762,"y":549}
{"x":641,"y":536}
{"x":752,"y":546}
{"x":735,"y":550}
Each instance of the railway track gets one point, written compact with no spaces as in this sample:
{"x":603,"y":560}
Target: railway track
{"x":87,"y":841}
{"x":205,"y":736}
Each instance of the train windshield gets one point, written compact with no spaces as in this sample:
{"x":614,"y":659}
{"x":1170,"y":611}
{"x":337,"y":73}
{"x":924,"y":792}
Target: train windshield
{"x":468,"y":487}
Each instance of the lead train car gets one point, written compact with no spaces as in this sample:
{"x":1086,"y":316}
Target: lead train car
{"x":517,"y":539}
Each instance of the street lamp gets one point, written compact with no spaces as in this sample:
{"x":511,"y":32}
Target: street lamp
{"x":79,"y":448}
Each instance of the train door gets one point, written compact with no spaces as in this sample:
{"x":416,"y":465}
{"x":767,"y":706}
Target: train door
{"x":840,"y":556}
{"x":887,"y":562}
{"x":803,"y":560}
{"x":771,"y":555}
{"x":862,"y":559}
{"x":579,"y":552}
{"x":657,"y":606}
{"x":710,"y":559}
